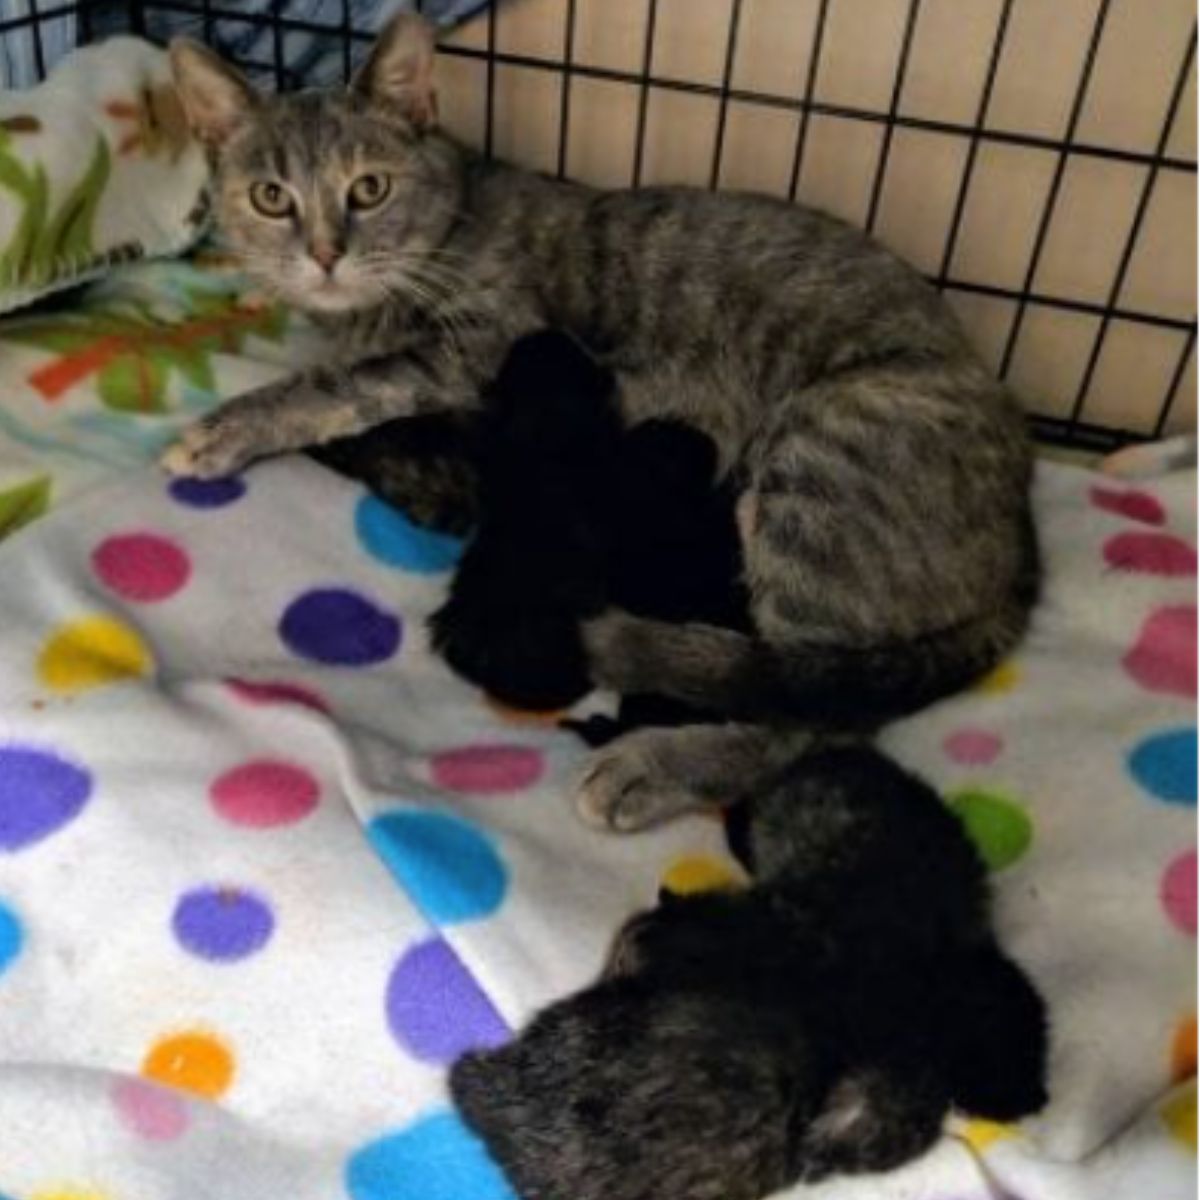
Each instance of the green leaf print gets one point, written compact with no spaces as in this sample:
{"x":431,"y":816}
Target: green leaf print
{"x":69,"y":235}
{"x":46,"y":244}
{"x":24,"y":503}
{"x":134,"y":353}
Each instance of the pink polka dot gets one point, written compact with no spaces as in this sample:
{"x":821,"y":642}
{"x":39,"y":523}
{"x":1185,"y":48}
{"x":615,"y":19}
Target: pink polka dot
{"x":153,"y":1113}
{"x":488,"y":768}
{"x":276,"y":692}
{"x":1178,"y":892}
{"x":972,"y":747}
{"x":1150,"y":554}
{"x":1164,"y":656}
{"x":264,"y":794}
{"x":142,"y":567}
{"x":1137,"y":506}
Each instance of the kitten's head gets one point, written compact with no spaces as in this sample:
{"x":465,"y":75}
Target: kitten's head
{"x":334,"y":200}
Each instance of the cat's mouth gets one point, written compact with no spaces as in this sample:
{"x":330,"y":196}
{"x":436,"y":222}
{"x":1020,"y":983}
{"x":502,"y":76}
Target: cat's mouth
{"x":332,"y":296}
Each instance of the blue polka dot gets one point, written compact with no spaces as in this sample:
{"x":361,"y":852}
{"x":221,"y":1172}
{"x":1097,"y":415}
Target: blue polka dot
{"x":11,"y":939}
{"x":207,"y":493}
{"x":449,"y":868}
{"x":388,"y":535}
{"x":340,"y":628}
{"x":1165,"y":765}
{"x":438,"y":1158}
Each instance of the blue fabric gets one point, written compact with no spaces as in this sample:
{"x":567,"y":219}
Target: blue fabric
{"x":311,"y":59}
{"x":18,"y":56}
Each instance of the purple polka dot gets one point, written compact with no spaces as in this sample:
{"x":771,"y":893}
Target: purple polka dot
{"x":339,"y":627}
{"x":39,"y":793}
{"x":436,"y":1010}
{"x":207,"y":493}
{"x":222,"y":924}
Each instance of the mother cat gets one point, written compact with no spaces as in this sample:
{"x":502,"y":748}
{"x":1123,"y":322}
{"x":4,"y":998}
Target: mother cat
{"x":883,"y":475}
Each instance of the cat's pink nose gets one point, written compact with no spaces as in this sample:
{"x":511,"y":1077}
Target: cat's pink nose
{"x":326,"y":257}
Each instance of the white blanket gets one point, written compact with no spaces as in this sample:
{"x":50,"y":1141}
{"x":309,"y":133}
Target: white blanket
{"x":266,"y":867}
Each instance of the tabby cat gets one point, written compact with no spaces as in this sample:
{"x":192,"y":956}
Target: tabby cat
{"x":882,"y":473}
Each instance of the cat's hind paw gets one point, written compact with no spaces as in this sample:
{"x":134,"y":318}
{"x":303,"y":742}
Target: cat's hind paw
{"x":624,"y":789}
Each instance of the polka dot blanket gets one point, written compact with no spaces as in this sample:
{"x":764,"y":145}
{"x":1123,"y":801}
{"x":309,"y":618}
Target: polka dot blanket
{"x":266,"y":868}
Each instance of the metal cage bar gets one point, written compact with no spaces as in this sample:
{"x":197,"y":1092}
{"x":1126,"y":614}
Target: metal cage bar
{"x":344,"y":40}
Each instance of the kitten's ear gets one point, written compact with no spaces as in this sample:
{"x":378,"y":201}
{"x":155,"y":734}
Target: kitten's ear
{"x":399,"y":72}
{"x":215,"y":97}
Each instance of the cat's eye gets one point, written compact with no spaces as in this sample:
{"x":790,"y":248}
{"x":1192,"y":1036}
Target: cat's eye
{"x":369,"y":191}
{"x":272,"y":199}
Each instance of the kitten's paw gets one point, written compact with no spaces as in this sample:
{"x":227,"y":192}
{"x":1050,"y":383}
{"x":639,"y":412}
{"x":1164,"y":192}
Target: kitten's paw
{"x":213,"y":447}
{"x":624,"y":789}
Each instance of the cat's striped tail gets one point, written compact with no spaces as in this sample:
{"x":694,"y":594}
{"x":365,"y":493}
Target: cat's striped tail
{"x":740,"y":676}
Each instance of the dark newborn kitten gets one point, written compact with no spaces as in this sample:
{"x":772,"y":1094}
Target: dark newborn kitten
{"x":577,"y":514}
{"x":823,"y":1021}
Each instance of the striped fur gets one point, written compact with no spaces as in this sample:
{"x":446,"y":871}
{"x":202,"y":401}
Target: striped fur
{"x":888,"y":545}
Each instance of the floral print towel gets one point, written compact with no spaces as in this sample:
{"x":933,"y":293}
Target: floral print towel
{"x":98,"y":383}
{"x":96,"y":167}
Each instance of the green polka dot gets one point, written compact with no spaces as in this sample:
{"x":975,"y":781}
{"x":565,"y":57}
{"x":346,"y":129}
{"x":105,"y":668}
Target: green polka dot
{"x":1000,"y":828}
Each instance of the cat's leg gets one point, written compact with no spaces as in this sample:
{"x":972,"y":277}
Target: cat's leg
{"x":310,"y":408}
{"x":655,"y":774}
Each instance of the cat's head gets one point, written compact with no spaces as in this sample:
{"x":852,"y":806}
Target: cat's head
{"x":335,"y":200}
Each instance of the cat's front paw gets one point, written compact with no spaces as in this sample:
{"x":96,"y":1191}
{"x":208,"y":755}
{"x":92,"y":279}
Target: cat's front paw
{"x":624,"y":788}
{"x":211,"y":448}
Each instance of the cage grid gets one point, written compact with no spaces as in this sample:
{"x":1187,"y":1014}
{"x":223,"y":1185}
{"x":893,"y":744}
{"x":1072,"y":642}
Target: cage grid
{"x":1012,"y":319}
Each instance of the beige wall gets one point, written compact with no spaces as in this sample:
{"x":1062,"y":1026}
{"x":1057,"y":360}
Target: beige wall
{"x":1124,"y":107}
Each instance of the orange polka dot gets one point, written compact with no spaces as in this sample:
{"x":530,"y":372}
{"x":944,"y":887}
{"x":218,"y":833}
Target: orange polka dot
{"x":1179,"y":1116}
{"x":521,"y":716}
{"x":701,"y":873}
{"x":1183,"y":1050}
{"x":192,"y":1062}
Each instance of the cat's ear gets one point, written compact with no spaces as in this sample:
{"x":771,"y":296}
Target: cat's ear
{"x":215,"y":97}
{"x":399,"y":72}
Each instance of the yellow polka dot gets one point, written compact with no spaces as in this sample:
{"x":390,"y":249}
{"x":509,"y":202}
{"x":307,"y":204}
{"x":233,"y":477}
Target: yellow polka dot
{"x":1003,"y":679}
{"x":980,"y":1135}
{"x":91,"y":652}
{"x":192,"y":1062}
{"x":1179,"y":1116}
{"x":702,"y":873}
{"x":70,"y":1193}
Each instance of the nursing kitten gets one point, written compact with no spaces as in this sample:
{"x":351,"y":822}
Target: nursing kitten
{"x":823,"y":1021}
{"x":577,"y":513}
{"x":883,"y":475}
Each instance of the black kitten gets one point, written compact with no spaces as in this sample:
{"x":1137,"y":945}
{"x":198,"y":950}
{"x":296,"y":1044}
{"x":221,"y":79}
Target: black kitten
{"x":577,"y":514}
{"x":823,"y":1021}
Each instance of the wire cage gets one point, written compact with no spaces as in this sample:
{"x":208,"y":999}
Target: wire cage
{"x":1035,"y":158}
